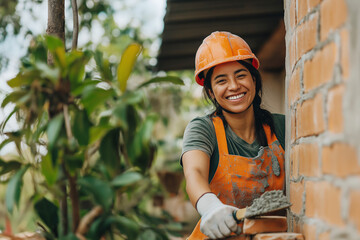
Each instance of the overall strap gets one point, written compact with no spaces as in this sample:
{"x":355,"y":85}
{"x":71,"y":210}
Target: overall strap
{"x":220,"y":135}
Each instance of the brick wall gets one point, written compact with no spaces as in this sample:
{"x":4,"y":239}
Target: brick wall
{"x":323,"y":117}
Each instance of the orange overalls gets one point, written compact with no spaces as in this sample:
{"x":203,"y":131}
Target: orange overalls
{"x":239,"y":180}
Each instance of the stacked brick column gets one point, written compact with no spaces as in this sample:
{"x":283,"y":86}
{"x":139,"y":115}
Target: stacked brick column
{"x":322,"y":152}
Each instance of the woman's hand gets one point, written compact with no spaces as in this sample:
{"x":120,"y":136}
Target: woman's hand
{"x":217,"y":219}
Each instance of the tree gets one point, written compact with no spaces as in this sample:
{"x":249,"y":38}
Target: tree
{"x":89,"y":137}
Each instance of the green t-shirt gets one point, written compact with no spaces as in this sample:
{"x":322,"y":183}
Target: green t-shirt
{"x":200,"y":135}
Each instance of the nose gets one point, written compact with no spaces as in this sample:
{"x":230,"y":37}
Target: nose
{"x":233,"y":84}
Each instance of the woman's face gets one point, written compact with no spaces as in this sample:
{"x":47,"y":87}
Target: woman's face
{"x":233,"y":86}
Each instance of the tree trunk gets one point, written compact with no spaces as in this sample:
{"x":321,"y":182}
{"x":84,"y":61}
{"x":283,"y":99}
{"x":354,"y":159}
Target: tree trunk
{"x":56,"y":21}
{"x":56,"y":27}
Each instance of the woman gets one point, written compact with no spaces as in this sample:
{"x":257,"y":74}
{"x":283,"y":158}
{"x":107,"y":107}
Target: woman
{"x":235,"y":154}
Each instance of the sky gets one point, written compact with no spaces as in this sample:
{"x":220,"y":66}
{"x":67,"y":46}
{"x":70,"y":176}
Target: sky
{"x":14,"y":47}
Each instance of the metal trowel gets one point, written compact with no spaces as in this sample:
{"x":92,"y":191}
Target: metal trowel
{"x":268,"y":202}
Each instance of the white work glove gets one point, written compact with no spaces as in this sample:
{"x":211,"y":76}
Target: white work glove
{"x":217,"y":219}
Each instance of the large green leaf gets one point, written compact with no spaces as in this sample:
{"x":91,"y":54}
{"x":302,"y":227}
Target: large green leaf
{"x":103,"y":66}
{"x":53,"y":43}
{"x":126,"y":226}
{"x":56,"y":47}
{"x":81,"y":127}
{"x":8,"y":166}
{"x":13,"y":190}
{"x":49,"y":171}
{"x":100,"y":190}
{"x":14,"y":97}
{"x":18,"y":81}
{"x":48,"y":72}
{"x":166,"y":79}
{"x":54,"y":129}
{"x":109,"y":148}
{"x":93,"y":96}
{"x":3,"y":124}
{"x":77,"y":61}
{"x":127,"y":63}
{"x":126,"y":179}
{"x":143,"y":135}
{"x":48,"y":212}
{"x":148,"y":234}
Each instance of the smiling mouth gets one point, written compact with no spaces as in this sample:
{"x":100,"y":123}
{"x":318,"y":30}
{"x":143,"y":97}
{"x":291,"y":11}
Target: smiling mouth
{"x":236,"y":96}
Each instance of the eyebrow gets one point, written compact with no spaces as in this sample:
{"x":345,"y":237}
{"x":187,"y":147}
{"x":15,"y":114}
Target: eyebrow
{"x":224,"y":75}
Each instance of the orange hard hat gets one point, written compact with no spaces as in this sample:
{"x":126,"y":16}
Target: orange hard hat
{"x":221,"y":47}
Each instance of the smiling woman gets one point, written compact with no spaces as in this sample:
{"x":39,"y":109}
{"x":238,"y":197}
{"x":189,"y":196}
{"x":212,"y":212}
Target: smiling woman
{"x":229,"y":156}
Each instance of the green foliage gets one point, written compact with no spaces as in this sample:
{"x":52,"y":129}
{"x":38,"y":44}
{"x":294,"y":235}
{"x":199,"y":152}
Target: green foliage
{"x":14,"y":189}
{"x":48,"y":212}
{"x":96,"y":135}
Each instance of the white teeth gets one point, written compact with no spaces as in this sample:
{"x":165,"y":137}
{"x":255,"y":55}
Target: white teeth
{"x":236,"y":97}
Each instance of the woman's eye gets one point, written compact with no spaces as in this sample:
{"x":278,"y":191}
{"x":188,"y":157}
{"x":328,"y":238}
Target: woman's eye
{"x":240,"y":76}
{"x":220,"y":81}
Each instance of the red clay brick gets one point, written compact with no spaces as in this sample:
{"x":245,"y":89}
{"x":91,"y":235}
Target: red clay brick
{"x":319,"y":69}
{"x":310,"y":119}
{"x":293,"y":125}
{"x":323,"y":201}
{"x":305,"y":6}
{"x":309,"y":231}
{"x":345,"y":57}
{"x":309,"y":160}
{"x":294,"y":159}
{"x":265,"y":224}
{"x":293,"y":21}
{"x":340,"y":159}
{"x":296,"y":196}
{"x":335,"y":110}
{"x":307,"y":35}
{"x":333,"y":14}
{"x":279,"y":236}
{"x":324,"y":236}
{"x":354,"y":210}
{"x":294,"y":86}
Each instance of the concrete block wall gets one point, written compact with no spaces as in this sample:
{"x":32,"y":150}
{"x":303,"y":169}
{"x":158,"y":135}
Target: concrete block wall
{"x":323,"y":117}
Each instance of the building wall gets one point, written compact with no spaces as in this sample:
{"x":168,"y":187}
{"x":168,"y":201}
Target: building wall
{"x":323,"y":117}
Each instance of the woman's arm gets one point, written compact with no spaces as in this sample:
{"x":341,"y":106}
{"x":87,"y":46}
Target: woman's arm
{"x":196,"y":165}
{"x":216,"y":218}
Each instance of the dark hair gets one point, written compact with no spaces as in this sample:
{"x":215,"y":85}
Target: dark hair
{"x":262,"y":116}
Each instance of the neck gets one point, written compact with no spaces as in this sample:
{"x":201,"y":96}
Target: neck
{"x":243,"y":124}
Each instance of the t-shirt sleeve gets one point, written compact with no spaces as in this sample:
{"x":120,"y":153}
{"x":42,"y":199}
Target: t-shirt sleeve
{"x":279,"y":123}
{"x":199,"y":135}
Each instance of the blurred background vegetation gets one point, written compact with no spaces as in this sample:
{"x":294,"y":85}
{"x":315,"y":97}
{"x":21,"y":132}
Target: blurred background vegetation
{"x":118,"y":140}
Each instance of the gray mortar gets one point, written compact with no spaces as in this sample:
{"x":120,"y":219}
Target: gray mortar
{"x":268,"y":202}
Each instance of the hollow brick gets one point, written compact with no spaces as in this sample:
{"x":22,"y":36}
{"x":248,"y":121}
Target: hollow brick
{"x":265,"y":224}
{"x":319,"y":69}
{"x":305,"y":6}
{"x":333,"y":14}
{"x":345,"y":58}
{"x":323,"y":201}
{"x":294,"y":86}
{"x":306,"y":35}
{"x":354,"y":209}
{"x":278,"y":236}
{"x":293,"y":125}
{"x":296,"y":196}
{"x":309,"y":231}
{"x":309,"y":160}
{"x":310,"y":119}
{"x":335,"y":109}
{"x":340,"y":159}
{"x":294,"y":160}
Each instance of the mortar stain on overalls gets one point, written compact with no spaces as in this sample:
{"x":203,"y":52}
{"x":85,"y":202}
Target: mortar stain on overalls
{"x":239,"y":180}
